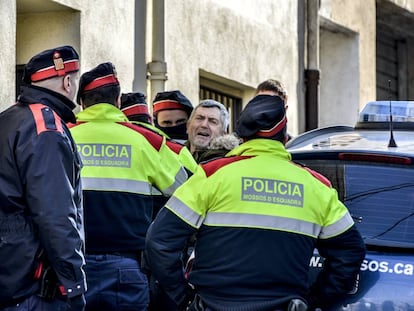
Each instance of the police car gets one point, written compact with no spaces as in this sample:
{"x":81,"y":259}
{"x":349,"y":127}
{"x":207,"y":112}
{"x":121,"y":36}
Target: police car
{"x":372,"y":167}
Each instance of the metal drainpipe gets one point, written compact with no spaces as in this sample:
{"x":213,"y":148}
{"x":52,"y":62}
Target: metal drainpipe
{"x":140,"y":69}
{"x":157,"y":68}
{"x":312,"y":73}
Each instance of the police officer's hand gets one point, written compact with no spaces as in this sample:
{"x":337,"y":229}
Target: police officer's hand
{"x":77,"y":303}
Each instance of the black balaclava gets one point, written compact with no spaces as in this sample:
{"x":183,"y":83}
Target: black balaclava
{"x":174,"y":132}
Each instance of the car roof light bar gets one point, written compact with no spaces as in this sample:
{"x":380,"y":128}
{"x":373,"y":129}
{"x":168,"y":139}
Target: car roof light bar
{"x":379,"y":111}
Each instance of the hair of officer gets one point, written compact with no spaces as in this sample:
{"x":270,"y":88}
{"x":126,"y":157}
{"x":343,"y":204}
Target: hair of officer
{"x":209,"y":103}
{"x":105,"y":94}
{"x":273,"y":85}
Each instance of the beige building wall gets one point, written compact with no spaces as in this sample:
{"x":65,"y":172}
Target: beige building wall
{"x":347,"y":52}
{"x":8,"y":53}
{"x":405,"y":4}
{"x":40,"y":31}
{"x":232,"y":44}
{"x":107,"y":34}
{"x":241,"y":42}
{"x":99,"y":31}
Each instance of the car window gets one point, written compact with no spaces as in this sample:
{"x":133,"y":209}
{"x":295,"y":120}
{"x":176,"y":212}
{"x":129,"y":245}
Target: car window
{"x":380,"y":196}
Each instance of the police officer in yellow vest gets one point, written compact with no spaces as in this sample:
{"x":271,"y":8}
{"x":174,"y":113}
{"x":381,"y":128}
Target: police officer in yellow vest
{"x":134,"y":106}
{"x":122,"y":162}
{"x":258,"y":219}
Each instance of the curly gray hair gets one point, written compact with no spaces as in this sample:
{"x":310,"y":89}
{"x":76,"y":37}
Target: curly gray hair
{"x":224,"y":114}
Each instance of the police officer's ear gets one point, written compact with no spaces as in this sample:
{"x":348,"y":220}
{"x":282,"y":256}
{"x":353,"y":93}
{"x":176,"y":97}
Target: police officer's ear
{"x":67,"y":83}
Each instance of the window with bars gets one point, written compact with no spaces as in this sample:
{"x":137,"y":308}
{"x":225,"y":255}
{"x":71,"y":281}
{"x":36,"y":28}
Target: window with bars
{"x":232,"y":103}
{"x":391,"y":65}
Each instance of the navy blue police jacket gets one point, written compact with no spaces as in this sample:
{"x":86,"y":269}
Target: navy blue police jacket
{"x":257,"y":217}
{"x":40,"y":195}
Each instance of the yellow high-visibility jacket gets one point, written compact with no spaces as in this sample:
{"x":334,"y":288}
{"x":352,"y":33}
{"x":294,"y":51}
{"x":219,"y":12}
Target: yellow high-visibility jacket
{"x":122,"y":163}
{"x":258,"y":217}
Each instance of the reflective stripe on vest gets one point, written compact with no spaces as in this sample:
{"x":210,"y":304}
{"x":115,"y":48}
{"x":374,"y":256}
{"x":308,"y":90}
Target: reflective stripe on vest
{"x":179,"y":179}
{"x":116,"y":184}
{"x":259,"y":221}
{"x":128,"y":185}
{"x":337,"y":227}
{"x":183,"y":211}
